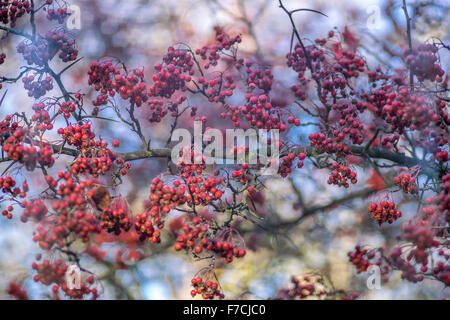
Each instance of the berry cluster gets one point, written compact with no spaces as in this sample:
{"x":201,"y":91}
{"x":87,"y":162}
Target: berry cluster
{"x":41,"y":117}
{"x":258,"y":112}
{"x":145,"y":228}
{"x":208,"y":289}
{"x":384,"y":212}
{"x":322,"y":143}
{"x":218,"y":88}
{"x":7,"y":212}
{"x":162,"y":199}
{"x":340,"y":175}
{"x":193,"y":232}
{"x":39,"y":87}
{"x":173,"y":74}
{"x":303,"y":287}
{"x":297,"y":61}
{"x":158,"y":111}
{"x":7,"y":185}
{"x":17,"y":291}
{"x":422,"y":62}
{"x":109,"y":80}
{"x":223,"y":42}
{"x":11,"y":10}
{"x":82,"y":137}
{"x":34,"y":53}
{"x":66,"y":108}
{"x":115,"y":217}
{"x":48,"y":273}
{"x":27,"y":155}
{"x":72,"y":217}
{"x":59,"y":14}
{"x":401,"y":108}
{"x":33,"y":209}
{"x":360,"y":258}
{"x":59,"y":41}
{"x":407,"y":183}
{"x":286,"y":164}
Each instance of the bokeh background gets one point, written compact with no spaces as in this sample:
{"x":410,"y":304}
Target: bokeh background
{"x":138,"y":33}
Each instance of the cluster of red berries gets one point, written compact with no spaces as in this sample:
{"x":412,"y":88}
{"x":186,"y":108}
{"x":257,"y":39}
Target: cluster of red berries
{"x":39,"y":87}
{"x":422,"y":238}
{"x":72,"y":217}
{"x":360,"y":258}
{"x":131,"y":87}
{"x":401,"y":108}
{"x":66,"y":108}
{"x":389,"y":141}
{"x":157,"y":108}
{"x":405,"y":109}
{"x":303,"y":287}
{"x":347,"y":63}
{"x":322,"y":143}
{"x":33,"y":209}
{"x":223,"y":42}
{"x":41,"y":117}
{"x":407,"y":183}
{"x":335,"y":73}
{"x":241,"y":175}
{"x":173,"y":74}
{"x":115,"y":218}
{"x":384,"y":212}
{"x":422,"y":61}
{"x":288,"y":161}
{"x":55,"y":273}
{"x":2,"y":57}
{"x":11,"y":10}
{"x":258,"y":112}
{"x":201,"y":190}
{"x":59,"y":14}
{"x":145,"y":228}
{"x":159,"y":111}
{"x":17,"y":291}
{"x":441,"y":155}
{"x":8,"y":212}
{"x":79,"y":135}
{"x":190,"y":162}
{"x":100,"y":74}
{"x":8,"y":185}
{"x":297,"y":61}
{"x":349,"y":122}
{"x":93,"y":166}
{"x":442,"y":269}
{"x":341,"y":175}
{"x":162,"y":199}
{"x":408,"y":269}
{"x":442,"y":200}
{"x":27,"y":155}
{"x":258,"y":77}
{"x":208,"y":289}
{"x":109,"y":80}
{"x":59,"y":41}
{"x":193,"y":236}
{"x":219,"y":87}
{"x":196,"y":235}
{"x":34,"y":53}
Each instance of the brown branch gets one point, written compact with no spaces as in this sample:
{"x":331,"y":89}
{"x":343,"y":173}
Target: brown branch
{"x":408,"y":33}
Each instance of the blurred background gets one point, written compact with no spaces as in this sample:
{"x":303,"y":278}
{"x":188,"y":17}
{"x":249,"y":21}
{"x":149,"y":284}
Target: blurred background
{"x":138,"y":33}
